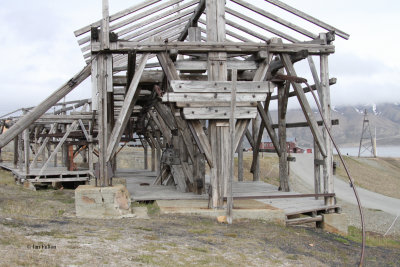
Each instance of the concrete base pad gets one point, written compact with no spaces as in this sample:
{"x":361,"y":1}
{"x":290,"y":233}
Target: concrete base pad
{"x":335,"y":223}
{"x":102,"y":202}
{"x":242,"y":209}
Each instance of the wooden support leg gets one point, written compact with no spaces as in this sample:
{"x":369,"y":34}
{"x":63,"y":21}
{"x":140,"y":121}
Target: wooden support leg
{"x":283,"y":91}
{"x":26,"y":149}
{"x":90,"y":156}
{"x":317,"y":170}
{"x":20,"y":154}
{"x":240,"y":161}
{"x":16,"y":150}
{"x":256,"y":161}
{"x":326,"y":112}
{"x":158,"y":156}
{"x":146,"y":161}
{"x":153,"y":159}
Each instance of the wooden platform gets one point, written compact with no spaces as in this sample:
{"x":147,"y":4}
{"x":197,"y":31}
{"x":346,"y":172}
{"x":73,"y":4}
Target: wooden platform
{"x":307,"y":208}
{"x":52,"y":174}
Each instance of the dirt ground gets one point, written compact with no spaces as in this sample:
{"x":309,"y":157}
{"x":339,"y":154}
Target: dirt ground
{"x":40,"y":229}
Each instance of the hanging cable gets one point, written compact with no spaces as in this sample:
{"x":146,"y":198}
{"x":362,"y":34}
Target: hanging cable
{"x":296,"y":79}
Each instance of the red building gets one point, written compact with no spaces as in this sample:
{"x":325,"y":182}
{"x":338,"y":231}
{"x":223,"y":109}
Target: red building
{"x":291,"y":146}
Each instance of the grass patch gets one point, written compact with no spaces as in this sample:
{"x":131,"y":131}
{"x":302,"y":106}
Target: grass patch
{"x":372,"y":239}
{"x":55,"y":234}
{"x":146,"y":259}
{"x":144,"y":228}
{"x":113,"y":237}
{"x":151,"y":237}
{"x":203,"y":250}
{"x":233,"y":235}
{"x":152,"y":207}
{"x":200,"y":231}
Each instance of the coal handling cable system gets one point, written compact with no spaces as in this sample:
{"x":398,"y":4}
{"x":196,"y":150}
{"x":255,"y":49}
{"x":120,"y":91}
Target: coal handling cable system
{"x":295,"y":79}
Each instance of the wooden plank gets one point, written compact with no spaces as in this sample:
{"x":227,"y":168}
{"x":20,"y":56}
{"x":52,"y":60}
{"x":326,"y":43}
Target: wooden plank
{"x":305,"y":105}
{"x":212,"y":46}
{"x":309,"y":18}
{"x":116,"y":16}
{"x":201,"y":65}
{"x":304,"y":124}
{"x":218,"y":113}
{"x":259,"y":24}
{"x":180,"y":86}
{"x":155,"y":9}
{"x":212,"y":97}
{"x":219,"y":104}
{"x":178,"y":12}
{"x":40,"y":109}
{"x":129,"y":102}
{"x":275,"y":18}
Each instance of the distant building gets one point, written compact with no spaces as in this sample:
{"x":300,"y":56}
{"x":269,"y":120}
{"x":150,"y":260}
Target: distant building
{"x":266,"y":145}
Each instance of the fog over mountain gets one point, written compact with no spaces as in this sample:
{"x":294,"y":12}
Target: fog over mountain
{"x":385,"y":118}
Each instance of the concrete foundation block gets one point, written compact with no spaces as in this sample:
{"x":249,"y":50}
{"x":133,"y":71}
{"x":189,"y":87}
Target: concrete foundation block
{"x":242,"y":209}
{"x":102,"y":202}
{"x":335,"y":223}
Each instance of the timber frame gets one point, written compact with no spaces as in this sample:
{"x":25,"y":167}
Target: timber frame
{"x":189,"y":79}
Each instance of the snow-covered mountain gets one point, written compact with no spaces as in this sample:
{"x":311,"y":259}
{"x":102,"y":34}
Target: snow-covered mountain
{"x":384,"y":117}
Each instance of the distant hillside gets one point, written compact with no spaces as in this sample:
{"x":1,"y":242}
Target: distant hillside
{"x":385,"y":117}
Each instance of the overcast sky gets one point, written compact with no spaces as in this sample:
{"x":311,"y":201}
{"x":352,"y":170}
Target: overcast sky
{"x":40,"y":52}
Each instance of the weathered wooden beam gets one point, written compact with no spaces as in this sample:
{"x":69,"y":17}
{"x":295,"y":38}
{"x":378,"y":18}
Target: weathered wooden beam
{"x":283,"y":91}
{"x":305,"y":105}
{"x":267,"y":121}
{"x":332,"y":81}
{"x":193,"y":20}
{"x":116,"y":16}
{"x":309,"y":18}
{"x":129,"y":103}
{"x":275,"y":18}
{"x":204,"y":47}
{"x":304,"y":124}
{"x":39,"y":110}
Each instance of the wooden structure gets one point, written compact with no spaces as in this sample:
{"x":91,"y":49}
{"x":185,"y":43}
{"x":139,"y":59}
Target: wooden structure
{"x":193,"y":78}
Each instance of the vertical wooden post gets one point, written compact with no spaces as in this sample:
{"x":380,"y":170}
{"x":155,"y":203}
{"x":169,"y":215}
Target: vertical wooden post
{"x":158,"y":151}
{"x":26,"y":149}
{"x":240,"y":160}
{"x":326,"y":110}
{"x":219,"y":130}
{"x":283,"y":91}
{"x":153,"y":159}
{"x":16,"y":150}
{"x":256,"y":123}
{"x":104,"y":62}
{"x":232,"y":148}
{"x":145,"y":152}
{"x":317,"y":170}
{"x":194,"y":34}
{"x":20,"y":154}
{"x":90,"y":156}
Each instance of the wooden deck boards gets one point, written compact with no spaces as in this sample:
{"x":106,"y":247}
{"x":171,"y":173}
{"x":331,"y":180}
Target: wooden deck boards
{"x":291,"y":206}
